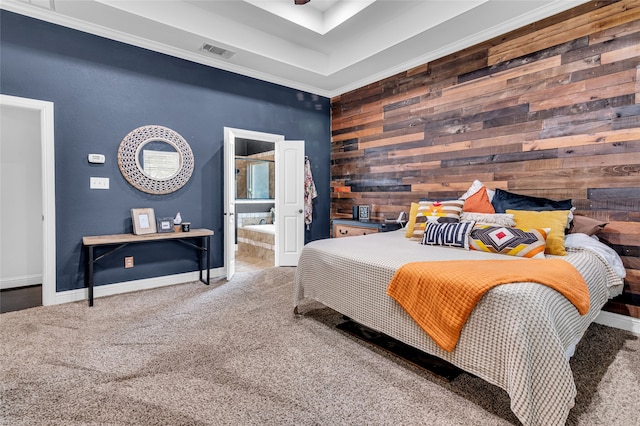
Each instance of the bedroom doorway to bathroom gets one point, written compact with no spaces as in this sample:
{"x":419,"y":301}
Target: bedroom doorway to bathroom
{"x":263,"y":198}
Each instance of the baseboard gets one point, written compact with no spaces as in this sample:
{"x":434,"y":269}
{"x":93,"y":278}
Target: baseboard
{"x":129,"y":286}
{"x":23,"y":281}
{"x":619,"y":321}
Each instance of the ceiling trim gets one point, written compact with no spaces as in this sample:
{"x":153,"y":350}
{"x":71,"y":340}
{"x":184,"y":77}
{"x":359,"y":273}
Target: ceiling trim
{"x":145,"y":43}
{"x":77,"y":24}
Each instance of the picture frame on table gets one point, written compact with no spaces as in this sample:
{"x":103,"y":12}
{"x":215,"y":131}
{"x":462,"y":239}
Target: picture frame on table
{"x":144,"y":221}
{"x":165,"y":224}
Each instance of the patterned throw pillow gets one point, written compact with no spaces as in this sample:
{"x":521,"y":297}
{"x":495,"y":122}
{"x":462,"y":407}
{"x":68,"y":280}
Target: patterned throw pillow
{"x":521,"y":242}
{"x":447,"y":234}
{"x":434,"y":212}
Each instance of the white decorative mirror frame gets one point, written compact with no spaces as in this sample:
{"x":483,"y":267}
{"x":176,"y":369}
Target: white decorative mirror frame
{"x":177,"y":175}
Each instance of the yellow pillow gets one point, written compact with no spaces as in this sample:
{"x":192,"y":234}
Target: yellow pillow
{"x":412,"y":220}
{"x":554,"y":219}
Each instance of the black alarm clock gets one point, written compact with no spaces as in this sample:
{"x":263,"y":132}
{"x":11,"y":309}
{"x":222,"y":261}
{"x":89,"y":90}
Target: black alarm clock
{"x":363,"y":213}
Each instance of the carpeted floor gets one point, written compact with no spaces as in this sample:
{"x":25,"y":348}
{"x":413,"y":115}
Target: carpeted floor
{"x":233,"y":353}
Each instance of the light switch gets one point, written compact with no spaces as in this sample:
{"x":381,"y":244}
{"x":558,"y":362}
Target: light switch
{"x":98,"y":183}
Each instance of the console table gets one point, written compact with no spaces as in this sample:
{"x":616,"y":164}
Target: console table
{"x":122,"y":240}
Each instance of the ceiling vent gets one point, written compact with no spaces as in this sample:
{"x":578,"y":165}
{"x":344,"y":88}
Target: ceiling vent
{"x":218,"y":51}
{"x":47,"y":4}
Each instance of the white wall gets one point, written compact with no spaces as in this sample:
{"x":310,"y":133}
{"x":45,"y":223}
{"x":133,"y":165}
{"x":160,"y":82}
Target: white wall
{"x":20,"y":197}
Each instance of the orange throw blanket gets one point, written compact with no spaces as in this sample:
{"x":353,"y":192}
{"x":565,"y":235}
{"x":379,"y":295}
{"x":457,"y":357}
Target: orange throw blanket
{"x":440,"y":295}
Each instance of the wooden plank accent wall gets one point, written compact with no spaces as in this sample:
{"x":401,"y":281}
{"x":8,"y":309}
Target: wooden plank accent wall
{"x":550,"y":110}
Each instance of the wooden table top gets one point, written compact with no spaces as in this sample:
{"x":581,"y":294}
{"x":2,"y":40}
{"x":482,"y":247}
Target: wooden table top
{"x":96,"y":240}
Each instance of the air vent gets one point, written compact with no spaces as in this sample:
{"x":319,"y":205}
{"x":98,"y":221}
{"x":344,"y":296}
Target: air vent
{"x":47,"y":4}
{"x":218,"y":51}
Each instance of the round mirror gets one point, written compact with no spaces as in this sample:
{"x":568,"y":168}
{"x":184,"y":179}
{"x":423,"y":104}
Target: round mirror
{"x":155,"y":160}
{"x":159,"y":159}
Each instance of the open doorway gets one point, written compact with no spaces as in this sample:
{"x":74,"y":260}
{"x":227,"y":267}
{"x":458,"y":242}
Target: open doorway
{"x":255,"y":204}
{"x":247,"y":175}
{"x":28,"y":147}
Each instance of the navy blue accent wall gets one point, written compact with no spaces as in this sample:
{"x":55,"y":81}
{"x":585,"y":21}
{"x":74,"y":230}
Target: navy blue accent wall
{"x":102,"y":90}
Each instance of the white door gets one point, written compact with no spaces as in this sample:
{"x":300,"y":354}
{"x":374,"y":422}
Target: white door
{"x":229,"y":202}
{"x":289,"y":202}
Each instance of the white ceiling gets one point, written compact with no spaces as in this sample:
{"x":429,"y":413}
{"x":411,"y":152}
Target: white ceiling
{"x":326,"y":47}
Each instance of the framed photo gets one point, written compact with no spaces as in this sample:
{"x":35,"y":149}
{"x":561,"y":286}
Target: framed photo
{"x":144,"y":221}
{"x":363,"y":213}
{"x":165,"y":224}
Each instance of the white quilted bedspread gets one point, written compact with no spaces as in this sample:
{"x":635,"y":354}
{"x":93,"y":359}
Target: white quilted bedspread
{"x":516,"y":337}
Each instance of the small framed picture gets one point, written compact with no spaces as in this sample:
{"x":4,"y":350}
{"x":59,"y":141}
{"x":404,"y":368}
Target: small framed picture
{"x":363,"y":213}
{"x":165,"y":224}
{"x":144,"y":221}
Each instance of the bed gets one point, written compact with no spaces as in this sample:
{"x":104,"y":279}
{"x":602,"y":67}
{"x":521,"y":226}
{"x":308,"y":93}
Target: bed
{"x":519,"y":337}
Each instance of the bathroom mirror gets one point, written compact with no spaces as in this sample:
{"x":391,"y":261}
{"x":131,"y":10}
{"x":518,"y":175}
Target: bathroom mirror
{"x":255,"y":178}
{"x":155,"y":159}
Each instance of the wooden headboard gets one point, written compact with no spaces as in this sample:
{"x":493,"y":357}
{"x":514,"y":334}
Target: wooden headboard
{"x":549,"y":110}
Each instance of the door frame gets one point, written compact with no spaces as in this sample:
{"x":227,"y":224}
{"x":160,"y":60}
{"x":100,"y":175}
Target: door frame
{"x":230,"y":135}
{"x":47,"y":163}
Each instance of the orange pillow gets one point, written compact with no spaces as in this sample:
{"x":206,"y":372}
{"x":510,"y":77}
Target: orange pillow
{"x":479,"y":203}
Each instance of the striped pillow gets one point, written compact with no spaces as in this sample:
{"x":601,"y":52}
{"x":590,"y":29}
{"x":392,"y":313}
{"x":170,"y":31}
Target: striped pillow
{"x":447,"y":234}
{"x":433,"y":212}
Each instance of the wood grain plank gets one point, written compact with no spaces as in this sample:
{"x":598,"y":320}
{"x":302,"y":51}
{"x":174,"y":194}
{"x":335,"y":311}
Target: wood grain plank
{"x":622,"y":309}
{"x":622,"y":233}
{"x":580,"y":26}
{"x":392,"y":140}
{"x":550,"y":101}
{"x":421,"y":165}
{"x":605,"y":160}
{"x":637,"y":88}
{"x":619,"y":55}
{"x":430,"y":149}
{"x":614,"y":33}
{"x":631,"y":262}
{"x":583,"y":139}
{"x":614,"y":193}
{"x":632,"y":282}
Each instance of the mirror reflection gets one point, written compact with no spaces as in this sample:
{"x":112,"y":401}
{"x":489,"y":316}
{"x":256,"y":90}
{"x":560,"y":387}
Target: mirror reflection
{"x":255,"y":169}
{"x":255,"y":177}
{"x":159,"y":159}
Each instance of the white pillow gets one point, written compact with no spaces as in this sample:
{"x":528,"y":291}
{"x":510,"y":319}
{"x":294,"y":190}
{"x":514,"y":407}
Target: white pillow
{"x":592,"y":243}
{"x":496,"y":219}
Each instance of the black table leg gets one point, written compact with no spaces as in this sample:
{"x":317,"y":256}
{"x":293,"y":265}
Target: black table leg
{"x":89,"y":273}
{"x":206,"y":253}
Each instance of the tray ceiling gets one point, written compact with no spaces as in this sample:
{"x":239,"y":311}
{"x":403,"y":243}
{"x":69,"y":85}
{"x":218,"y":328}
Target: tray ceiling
{"x":326,"y":47}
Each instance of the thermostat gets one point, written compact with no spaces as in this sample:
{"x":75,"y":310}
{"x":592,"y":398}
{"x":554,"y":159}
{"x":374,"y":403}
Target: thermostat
{"x":96,"y":158}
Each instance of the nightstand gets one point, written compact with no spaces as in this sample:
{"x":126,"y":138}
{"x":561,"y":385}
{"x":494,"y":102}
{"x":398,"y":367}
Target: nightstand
{"x":349,"y":227}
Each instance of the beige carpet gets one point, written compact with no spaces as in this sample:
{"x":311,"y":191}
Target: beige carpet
{"x":233,"y":353}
